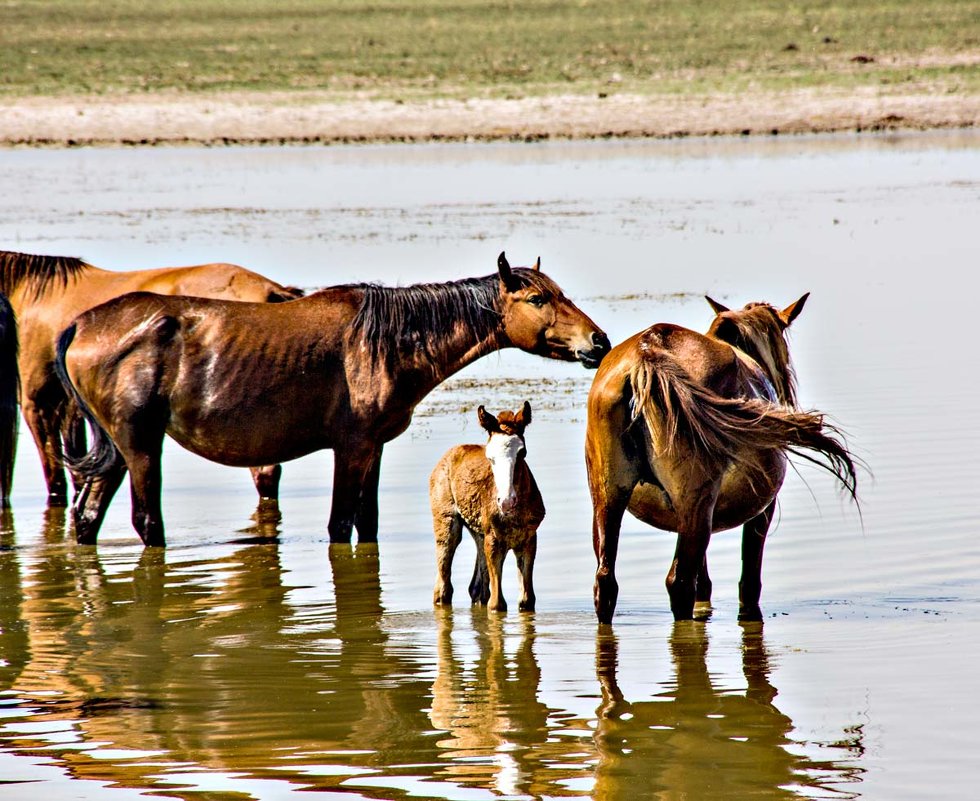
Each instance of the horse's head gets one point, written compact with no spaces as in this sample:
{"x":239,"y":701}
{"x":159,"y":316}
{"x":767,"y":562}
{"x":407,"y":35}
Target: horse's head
{"x":505,"y":449}
{"x":538,"y":318}
{"x":758,"y":329}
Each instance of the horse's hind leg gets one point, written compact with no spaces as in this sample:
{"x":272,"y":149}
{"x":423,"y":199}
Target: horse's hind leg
{"x":449,"y":532}
{"x":753,"y":542}
{"x":141,"y":446}
{"x":92,"y":501}
{"x":266,"y":479}
{"x":693,"y":536}
{"x":702,"y":591}
{"x":525,"y":567}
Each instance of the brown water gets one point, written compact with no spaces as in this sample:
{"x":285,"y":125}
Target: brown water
{"x":252,"y":660}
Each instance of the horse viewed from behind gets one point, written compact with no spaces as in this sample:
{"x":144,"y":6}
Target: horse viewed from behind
{"x":46,"y":294}
{"x":253,"y":384}
{"x":490,"y":490}
{"x":690,"y":432}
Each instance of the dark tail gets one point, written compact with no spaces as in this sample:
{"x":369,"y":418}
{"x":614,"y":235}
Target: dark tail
{"x":9,"y":394}
{"x":103,"y":453}
{"x":719,"y":430}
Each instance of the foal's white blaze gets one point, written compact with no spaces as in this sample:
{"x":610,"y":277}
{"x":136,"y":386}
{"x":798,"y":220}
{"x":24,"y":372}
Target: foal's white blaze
{"x":503,"y":450}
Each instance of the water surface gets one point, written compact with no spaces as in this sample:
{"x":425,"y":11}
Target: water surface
{"x":251,"y":659}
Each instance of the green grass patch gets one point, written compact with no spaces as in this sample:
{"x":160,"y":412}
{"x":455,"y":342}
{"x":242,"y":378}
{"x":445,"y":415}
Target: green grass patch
{"x":432,"y":48}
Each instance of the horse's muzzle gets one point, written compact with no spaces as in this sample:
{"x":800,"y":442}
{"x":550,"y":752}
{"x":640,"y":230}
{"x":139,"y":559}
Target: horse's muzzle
{"x":600,"y":347}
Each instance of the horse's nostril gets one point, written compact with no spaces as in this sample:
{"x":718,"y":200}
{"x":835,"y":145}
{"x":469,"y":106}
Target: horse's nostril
{"x":601,"y":341}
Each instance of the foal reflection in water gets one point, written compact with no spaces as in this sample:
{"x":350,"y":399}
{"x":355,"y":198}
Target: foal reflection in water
{"x":257,"y":384}
{"x":491,"y":491}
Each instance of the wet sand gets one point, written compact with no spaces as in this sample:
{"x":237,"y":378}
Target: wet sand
{"x":279,"y":118}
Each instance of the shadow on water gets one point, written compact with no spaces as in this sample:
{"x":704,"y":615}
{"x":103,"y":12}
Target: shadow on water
{"x":695,"y":741}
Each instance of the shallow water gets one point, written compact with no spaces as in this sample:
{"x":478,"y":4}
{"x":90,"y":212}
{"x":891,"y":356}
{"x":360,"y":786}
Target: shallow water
{"x":251,"y":659}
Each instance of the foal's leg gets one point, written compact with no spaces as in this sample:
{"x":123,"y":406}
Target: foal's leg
{"x":750,"y":584}
{"x":449,"y":533}
{"x":266,"y":480}
{"x":525,"y":567}
{"x":495,"y":551}
{"x":480,"y":583}
{"x":92,"y":501}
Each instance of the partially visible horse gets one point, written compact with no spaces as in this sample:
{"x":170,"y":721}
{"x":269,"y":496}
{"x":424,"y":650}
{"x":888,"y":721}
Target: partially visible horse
{"x":47,"y":293}
{"x":691,"y":432}
{"x":490,"y":490}
{"x":9,"y":390}
{"x":253,"y":384}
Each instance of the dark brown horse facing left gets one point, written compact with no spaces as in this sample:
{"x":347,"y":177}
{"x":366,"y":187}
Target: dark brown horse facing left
{"x":690,"y":432}
{"x":253,"y":384}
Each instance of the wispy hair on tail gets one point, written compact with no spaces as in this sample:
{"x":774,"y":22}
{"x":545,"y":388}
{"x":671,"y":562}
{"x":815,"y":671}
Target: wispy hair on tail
{"x":676,"y":409}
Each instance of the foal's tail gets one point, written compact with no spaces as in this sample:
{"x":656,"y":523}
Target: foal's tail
{"x":720,"y":430}
{"x":103,"y":453}
{"x":9,"y":393}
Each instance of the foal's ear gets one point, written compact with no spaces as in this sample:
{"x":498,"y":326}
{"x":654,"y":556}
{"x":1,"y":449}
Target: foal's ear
{"x":488,"y":422}
{"x":792,"y":311}
{"x":537,"y":264}
{"x":506,"y":276}
{"x":718,"y":307}
{"x":523,"y":417}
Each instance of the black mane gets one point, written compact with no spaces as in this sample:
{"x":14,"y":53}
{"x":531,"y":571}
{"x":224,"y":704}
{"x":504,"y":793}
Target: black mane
{"x":38,"y":271}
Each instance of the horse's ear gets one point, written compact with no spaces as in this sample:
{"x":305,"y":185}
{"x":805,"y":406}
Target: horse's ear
{"x":719,"y":308}
{"x":506,"y":276}
{"x":537,"y":264}
{"x":523,"y":417}
{"x":487,"y":421}
{"x":792,"y":311}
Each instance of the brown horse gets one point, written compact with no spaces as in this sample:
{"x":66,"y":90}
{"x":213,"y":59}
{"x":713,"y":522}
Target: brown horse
{"x":490,"y":490}
{"x":47,"y":293}
{"x":252,"y":384}
{"x":690,"y":432}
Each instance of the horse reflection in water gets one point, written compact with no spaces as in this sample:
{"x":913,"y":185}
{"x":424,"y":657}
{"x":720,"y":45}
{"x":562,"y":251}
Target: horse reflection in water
{"x":698,"y":742}
{"x":207,"y":664}
{"x":488,"y":706}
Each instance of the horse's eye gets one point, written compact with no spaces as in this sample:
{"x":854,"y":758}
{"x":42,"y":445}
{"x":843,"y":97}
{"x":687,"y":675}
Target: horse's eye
{"x":536,"y":300}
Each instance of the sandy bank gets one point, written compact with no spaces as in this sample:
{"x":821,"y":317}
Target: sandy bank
{"x":280,"y":118}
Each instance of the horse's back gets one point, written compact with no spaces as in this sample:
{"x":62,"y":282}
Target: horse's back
{"x":219,"y":280}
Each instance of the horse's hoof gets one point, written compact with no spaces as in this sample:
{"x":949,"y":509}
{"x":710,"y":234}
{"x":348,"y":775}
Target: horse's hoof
{"x":750,"y":615}
{"x":57,"y":500}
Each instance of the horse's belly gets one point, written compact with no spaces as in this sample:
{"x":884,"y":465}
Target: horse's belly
{"x":650,"y":504}
{"x":242,"y":445}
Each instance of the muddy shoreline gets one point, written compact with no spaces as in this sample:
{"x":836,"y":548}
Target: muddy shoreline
{"x":286,"y":118}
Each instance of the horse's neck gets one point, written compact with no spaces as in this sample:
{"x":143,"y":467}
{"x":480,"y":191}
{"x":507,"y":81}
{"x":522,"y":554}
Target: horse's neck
{"x":452,"y":354}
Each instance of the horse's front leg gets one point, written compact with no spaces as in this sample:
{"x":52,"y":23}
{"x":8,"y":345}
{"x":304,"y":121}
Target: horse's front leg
{"x":525,"y":567}
{"x":366,"y":518}
{"x":92,"y":500}
{"x":266,"y":480}
{"x":750,"y":584}
{"x":693,"y":535}
{"x":351,"y":471}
